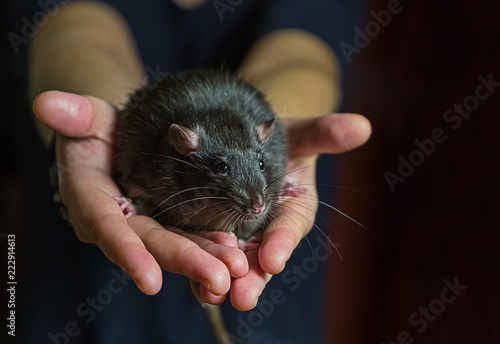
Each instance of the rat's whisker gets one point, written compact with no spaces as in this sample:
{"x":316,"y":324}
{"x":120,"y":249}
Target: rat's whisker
{"x":313,"y":211}
{"x":332,"y":186}
{"x":186,"y":220}
{"x":300,"y":229}
{"x":315,"y":226}
{"x":170,"y":157}
{"x":333,"y":208}
{"x":187,"y":201}
{"x":226,"y":218}
{"x":185,"y":190}
{"x":280,"y":177}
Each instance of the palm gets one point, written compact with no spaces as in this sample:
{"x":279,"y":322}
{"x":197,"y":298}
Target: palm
{"x":141,"y":246}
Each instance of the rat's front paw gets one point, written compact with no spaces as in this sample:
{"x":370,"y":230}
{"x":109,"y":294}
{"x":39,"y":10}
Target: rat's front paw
{"x":127,"y":206}
{"x":252,"y":243}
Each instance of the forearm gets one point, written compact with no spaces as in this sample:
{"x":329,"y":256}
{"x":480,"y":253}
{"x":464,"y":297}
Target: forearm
{"x":85,"y":49}
{"x":296,"y":71}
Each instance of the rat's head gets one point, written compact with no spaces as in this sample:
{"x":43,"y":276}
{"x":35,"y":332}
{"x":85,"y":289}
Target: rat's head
{"x":239,"y":174}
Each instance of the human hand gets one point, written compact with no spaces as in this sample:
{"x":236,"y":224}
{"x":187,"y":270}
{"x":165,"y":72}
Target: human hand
{"x":307,"y":138}
{"x":139,"y":245}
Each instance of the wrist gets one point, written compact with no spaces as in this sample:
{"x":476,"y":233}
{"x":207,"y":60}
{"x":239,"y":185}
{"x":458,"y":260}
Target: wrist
{"x":298,"y":73}
{"x":300,"y":90}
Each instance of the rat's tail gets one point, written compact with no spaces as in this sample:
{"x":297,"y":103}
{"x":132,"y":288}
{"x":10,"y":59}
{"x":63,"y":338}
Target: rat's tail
{"x":214,"y":314}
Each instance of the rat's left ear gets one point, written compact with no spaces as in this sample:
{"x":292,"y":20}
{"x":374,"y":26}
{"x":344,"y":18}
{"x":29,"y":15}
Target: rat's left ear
{"x":184,"y":140}
{"x":266,"y":129}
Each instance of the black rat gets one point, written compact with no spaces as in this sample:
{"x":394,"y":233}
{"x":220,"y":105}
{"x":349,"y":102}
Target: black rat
{"x":202,"y":150}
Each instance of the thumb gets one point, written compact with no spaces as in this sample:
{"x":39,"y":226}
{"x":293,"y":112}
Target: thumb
{"x":75,"y":116}
{"x":329,"y":134}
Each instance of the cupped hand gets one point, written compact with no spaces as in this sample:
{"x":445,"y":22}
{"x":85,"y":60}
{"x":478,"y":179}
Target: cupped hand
{"x":139,"y":245}
{"x":307,"y":138}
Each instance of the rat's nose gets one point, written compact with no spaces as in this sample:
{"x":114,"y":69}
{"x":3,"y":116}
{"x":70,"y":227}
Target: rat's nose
{"x":258,"y":205}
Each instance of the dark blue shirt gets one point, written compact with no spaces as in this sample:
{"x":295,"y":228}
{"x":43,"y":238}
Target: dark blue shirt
{"x":72,"y":293}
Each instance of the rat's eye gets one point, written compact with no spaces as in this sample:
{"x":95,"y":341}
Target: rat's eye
{"x":222,"y":168}
{"x":261,"y":165}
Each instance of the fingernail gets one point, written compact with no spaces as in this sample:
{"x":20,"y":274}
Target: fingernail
{"x":138,"y":285}
{"x":206,"y":284}
{"x":35,"y":107}
{"x":282,"y":268}
{"x":124,"y":269}
{"x":256,"y":301}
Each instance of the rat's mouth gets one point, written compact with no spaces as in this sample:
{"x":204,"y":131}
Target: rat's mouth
{"x":240,"y":214}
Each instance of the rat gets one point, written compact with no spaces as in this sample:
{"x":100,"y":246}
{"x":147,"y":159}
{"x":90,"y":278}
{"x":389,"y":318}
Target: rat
{"x":201,"y":150}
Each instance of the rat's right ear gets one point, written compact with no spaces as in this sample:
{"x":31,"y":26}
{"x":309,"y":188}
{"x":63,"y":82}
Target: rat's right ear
{"x":265,"y":130}
{"x":184,"y":140}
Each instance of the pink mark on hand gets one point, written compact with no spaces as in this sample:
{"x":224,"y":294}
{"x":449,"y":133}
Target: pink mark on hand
{"x":290,"y":189}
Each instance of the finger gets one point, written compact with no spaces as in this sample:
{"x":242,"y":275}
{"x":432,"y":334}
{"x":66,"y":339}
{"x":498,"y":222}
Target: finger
{"x":178,"y":254}
{"x":294,"y":220}
{"x":99,"y":219}
{"x":204,"y":296}
{"x":277,"y":247}
{"x":121,"y":244}
{"x":245,"y":291}
{"x":230,"y":254}
{"x":223,"y":238}
{"x":330,"y":134}
{"x":74,"y":115}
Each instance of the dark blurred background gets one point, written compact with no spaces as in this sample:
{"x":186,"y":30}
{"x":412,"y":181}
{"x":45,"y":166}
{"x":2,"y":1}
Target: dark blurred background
{"x":438,"y":227}
{"x":441,"y":219}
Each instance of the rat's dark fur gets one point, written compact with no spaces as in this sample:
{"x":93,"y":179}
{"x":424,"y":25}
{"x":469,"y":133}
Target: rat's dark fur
{"x":190,"y":188}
